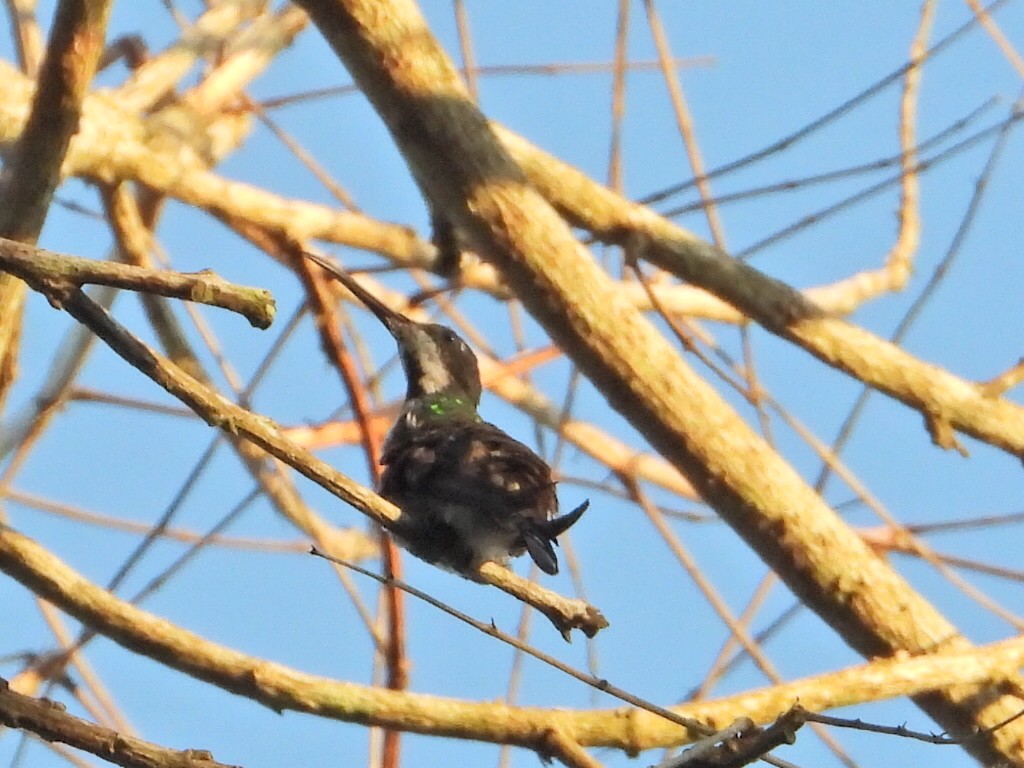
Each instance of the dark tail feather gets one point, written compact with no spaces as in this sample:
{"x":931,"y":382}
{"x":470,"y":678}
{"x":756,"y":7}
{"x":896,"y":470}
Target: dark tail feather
{"x":539,"y":546}
{"x":559,"y":525}
{"x":539,"y":538}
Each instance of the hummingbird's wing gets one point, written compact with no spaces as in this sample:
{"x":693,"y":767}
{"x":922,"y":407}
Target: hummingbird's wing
{"x":501,"y":487}
{"x":473,"y":463}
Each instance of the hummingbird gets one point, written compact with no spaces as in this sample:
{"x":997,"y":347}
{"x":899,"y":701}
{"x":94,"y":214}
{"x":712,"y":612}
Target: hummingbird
{"x":468,"y":492}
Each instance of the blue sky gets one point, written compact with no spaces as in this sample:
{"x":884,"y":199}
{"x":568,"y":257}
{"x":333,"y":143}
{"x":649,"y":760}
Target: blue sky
{"x":765,"y":70}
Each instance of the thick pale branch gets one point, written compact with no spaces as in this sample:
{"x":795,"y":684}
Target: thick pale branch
{"x":28,"y":38}
{"x":248,"y":53}
{"x":115,"y":145}
{"x":631,"y":730}
{"x":158,"y":76}
{"x":466,"y":174}
{"x":779,"y":308}
{"x":40,"y":268}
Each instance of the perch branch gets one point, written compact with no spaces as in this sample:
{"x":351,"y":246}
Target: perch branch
{"x":566,"y":614}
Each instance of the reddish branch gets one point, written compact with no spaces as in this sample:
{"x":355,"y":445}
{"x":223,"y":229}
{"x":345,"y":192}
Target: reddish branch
{"x":336,"y":349}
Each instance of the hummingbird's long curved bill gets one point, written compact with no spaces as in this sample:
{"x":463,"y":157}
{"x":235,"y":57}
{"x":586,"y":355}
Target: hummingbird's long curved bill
{"x":392,"y":320}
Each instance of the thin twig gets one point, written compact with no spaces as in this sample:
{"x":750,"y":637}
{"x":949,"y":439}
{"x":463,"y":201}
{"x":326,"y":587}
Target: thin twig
{"x":491,"y":629}
{"x":41,"y":268}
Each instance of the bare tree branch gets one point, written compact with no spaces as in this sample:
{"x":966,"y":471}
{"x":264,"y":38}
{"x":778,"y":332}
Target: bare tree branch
{"x":49,"y":721}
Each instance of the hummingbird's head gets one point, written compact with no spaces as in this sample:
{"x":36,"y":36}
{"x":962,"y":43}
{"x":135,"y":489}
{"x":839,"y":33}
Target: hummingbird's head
{"x":435,"y":359}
